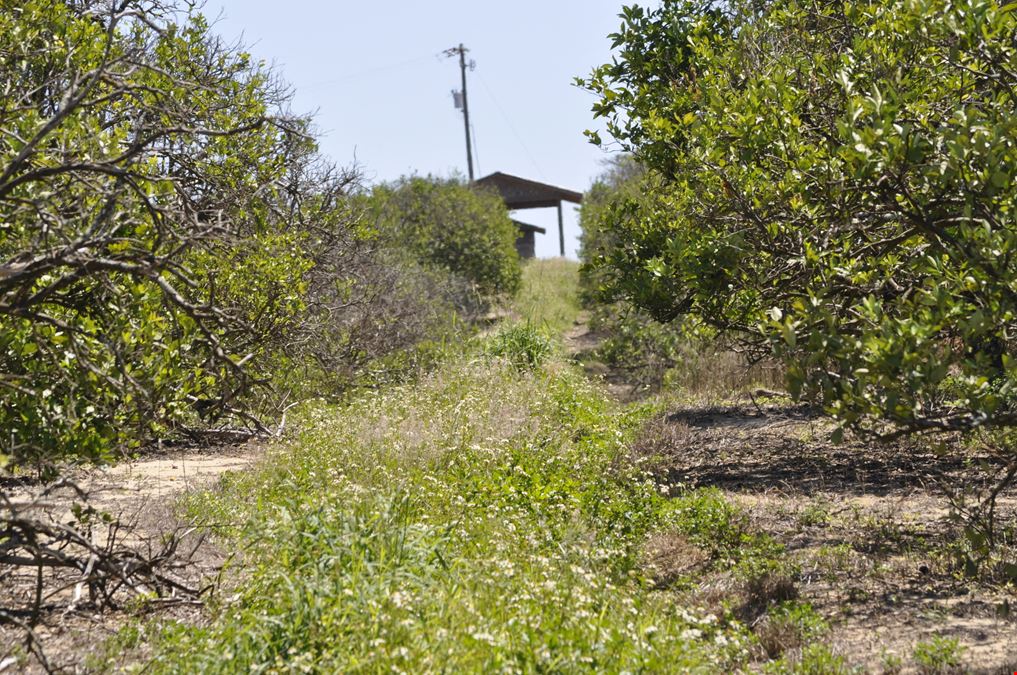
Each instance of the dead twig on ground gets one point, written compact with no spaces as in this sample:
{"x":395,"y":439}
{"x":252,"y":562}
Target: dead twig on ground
{"x":64,"y":555}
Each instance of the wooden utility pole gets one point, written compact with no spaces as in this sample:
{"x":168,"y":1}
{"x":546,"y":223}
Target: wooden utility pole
{"x":461,"y":51}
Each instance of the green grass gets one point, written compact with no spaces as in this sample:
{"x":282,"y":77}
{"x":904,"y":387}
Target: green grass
{"x":815,"y":659}
{"x":522,"y":345}
{"x":480,"y":519}
{"x":549,"y":297}
{"x":477,"y":521}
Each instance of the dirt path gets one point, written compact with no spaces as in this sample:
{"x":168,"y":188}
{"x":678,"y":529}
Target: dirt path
{"x":581,"y":344}
{"x":171,"y":473}
{"x":143,"y":495}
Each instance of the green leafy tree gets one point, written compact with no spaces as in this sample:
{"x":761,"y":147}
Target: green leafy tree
{"x":635,"y":342}
{"x":159,"y":222}
{"x":838,"y":187}
{"x":623,"y":183}
{"x":446,"y":224}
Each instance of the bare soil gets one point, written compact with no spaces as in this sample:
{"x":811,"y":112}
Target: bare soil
{"x":867,"y":525}
{"x":143,"y":497}
{"x":581,"y":343}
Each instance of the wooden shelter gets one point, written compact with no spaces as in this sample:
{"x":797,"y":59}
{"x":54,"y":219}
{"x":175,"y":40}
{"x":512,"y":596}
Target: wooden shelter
{"x":526,"y":242}
{"x":521,"y":193}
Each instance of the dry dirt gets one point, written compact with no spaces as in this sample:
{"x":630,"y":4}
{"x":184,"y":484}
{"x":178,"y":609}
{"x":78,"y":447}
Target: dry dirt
{"x":580,"y":342}
{"x":867,"y":525}
{"x":143,"y":495}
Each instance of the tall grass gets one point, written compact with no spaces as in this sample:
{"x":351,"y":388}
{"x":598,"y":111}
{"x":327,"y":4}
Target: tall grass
{"x":708,"y":373}
{"x":549,"y":297}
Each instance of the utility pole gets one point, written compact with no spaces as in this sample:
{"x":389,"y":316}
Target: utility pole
{"x":461,"y":97}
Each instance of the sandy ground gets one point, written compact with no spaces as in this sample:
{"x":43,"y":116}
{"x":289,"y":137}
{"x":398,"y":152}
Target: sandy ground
{"x":170,"y":475}
{"x":144,"y":495}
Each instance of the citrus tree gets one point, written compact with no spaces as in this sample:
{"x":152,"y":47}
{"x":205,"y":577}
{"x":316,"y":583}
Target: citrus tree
{"x":838,"y":187}
{"x":159,"y":217}
{"x":446,"y":224}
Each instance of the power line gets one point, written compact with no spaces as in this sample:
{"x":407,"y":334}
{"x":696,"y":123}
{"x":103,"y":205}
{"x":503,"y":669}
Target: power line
{"x":365,"y":73}
{"x":519,"y":139}
{"x":476,"y":148}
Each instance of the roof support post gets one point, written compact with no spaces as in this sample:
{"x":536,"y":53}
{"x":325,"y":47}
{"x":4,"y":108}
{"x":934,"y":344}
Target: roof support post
{"x":561,"y":230}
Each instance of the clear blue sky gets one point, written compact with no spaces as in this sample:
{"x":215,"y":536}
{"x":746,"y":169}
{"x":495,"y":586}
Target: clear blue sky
{"x":372,"y":74}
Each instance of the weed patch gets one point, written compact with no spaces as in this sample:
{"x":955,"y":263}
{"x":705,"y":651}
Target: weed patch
{"x":939,"y":656}
{"x":522,"y":345}
{"x":478,"y":521}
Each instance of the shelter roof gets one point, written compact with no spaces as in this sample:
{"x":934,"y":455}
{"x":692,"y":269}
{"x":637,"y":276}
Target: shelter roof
{"x":522,"y":193}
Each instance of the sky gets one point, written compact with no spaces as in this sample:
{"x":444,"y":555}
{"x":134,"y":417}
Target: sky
{"x":374,"y":76}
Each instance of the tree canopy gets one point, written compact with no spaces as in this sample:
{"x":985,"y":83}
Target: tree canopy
{"x":837,"y":187}
{"x":447,"y":224}
{"x":159,"y":215}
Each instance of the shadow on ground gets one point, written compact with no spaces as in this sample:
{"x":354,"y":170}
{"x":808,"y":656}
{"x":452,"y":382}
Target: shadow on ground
{"x":752,"y":449}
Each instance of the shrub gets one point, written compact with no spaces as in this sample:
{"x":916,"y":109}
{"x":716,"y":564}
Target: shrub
{"x":446,"y":224}
{"x":371,"y":317}
{"x":623,"y":185}
{"x":635,"y":341}
{"x":787,"y":628}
